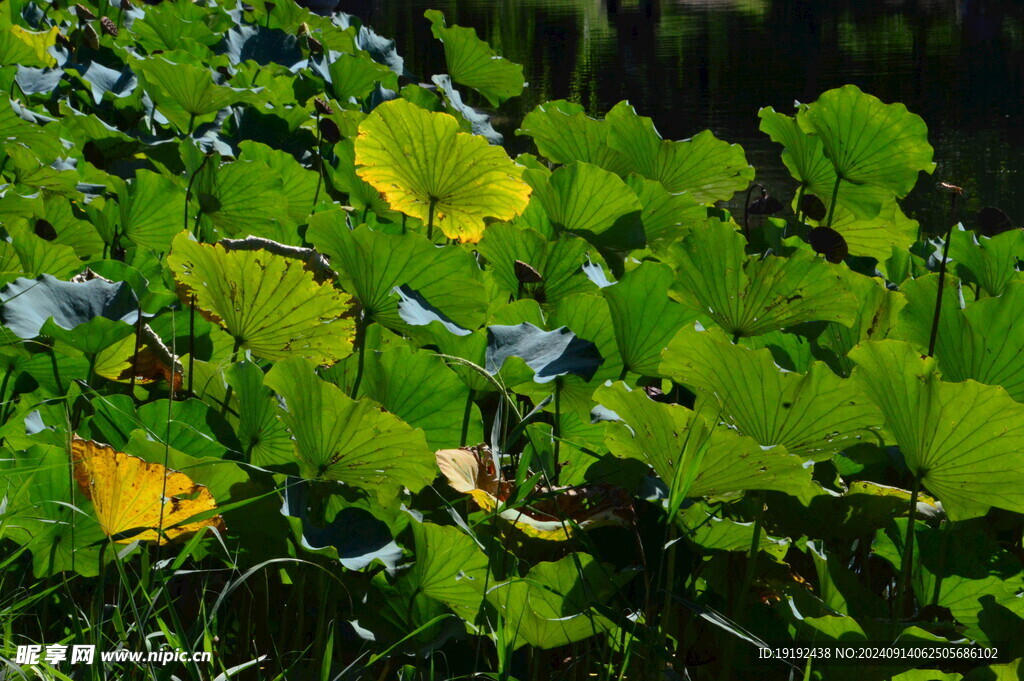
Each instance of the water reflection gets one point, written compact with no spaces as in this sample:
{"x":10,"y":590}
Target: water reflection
{"x":695,"y":64}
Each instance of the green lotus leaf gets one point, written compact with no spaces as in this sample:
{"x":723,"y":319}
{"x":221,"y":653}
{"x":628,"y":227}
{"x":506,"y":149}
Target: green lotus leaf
{"x":705,"y":167}
{"x":984,"y":341}
{"x":195,"y":428}
{"x":552,"y":605}
{"x":27,"y":48}
{"x":588,"y":316}
{"x":30,"y":173}
{"x":868,"y":141}
{"x":297,"y":183}
{"x":989,"y":262}
{"x":261,"y":45}
{"x":241,"y":198}
{"x":888,"y":232}
{"x":344,"y":178}
{"x":269,"y":304}
{"x":152,"y":209}
{"x":90,"y":315}
{"x":664,"y":215}
{"x":813,"y":415}
{"x":67,"y":229}
{"x":563,"y":133}
{"x":711,"y":533}
{"x":338,"y":438}
{"x":862,"y":510}
{"x":421,"y":390}
{"x":186,"y":93}
{"x":748,"y":296}
{"x":356,"y":75}
{"x":59,"y":537}
{"x":878,"y":310}
{"x":585,"y":199}
{"x":28,"y":254}
{"x":962,"y":567}
{"x":672,"y":440}
{"x":964,"y":440}
{"x":43,"y":140}
{"x":372,"y":265}
{"x":449,"y":567}
{"x":429,"y":170}
{"x":354,"y":536}
{"x":470,"y":120}
{"x":472,"y":62}
{"x":643,"y":316}
{"x":165,"y":27}
{"x":558,"y":262}
{"x":264,"y":438}
{"x":803,"y":156}
{"x":550,"y":354}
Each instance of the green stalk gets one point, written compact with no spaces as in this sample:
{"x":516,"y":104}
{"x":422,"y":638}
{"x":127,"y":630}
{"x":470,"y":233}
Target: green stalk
{"x":191,"y":343}
{"x":320,"y":157}
{"x":906,"y":563}
{"x":361,"y":349}
{"x":466,"y":415}
{"x":800,"y":204}
{"x":77,"y":413}
{"x":746,"y":210}
{"x":230,"y":390}
{"x":430,"y":220}
{"x":3,"y":392}
{"x":832,"y":205}
{"x":752,"y":552}
{"x":556,"y":426}
{"x":942,"y":277}
{"x":135,"y":355}
{"x":56,"y":371}
{"x":748,"y":581}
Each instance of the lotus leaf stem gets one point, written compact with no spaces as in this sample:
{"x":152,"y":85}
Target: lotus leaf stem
{"x":361,"y":349}
{"x":907,"y":559}
{"x":942,"y":275}
{"x":832,"y":204}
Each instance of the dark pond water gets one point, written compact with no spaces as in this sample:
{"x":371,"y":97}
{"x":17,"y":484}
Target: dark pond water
{"x":696,"y":64}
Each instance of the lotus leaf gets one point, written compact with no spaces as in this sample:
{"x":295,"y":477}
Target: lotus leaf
{"x":126,"y":493}
{"x":983,"y":341}
{"x":338,"y":438}
{"x":429,"y":170}
{"x":989,"y":262}
{"x":963,"y":440}
{"x":705,"y":167}
{"x":814,"y":414}
{"x":749,"y":296}
{"x":643,"y":316}
{"x":549,"y":607}
{"x":557,"y":262}
{"x":671,"y":440}
{"x":372,"y":265}
{"x":803,"y":156}
{"x":472,"y":62}
{"x":271,"y":305}
{"x":563,"y":133}
{"x":868,"y":141}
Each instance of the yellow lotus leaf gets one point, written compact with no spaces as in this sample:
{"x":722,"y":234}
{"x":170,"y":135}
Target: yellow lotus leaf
{"x":426,"y":168}
{"x":35,"y":46}
{"x":126,"y":493}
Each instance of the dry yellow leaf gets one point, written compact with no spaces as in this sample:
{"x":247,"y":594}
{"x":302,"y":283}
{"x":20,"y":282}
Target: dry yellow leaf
{"x":134,"y":498}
